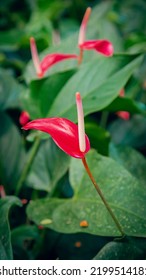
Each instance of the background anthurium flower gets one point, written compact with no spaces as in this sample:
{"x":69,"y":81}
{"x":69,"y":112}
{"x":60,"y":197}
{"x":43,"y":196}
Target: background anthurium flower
{"x":24,"y":118}
{"x":104,"y":47}
{"x":123,"y":114}
{"x":48,"y":61}
{"x":63,"y":132}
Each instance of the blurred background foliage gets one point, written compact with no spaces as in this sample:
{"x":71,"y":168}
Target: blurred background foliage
{"x":50,"y":22}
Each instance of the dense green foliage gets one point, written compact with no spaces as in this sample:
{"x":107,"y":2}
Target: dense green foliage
{"x":48,"y":194}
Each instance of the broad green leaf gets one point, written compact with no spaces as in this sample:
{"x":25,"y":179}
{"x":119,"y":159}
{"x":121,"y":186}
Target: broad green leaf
{"x":42,"y":93}
{"x":131,"y":159}
{"x":123,"y":192}
{"x":9,"y":91}
{"x":98,"y":88}
{"x":12,"y":154}
{"x":5,"y":237}
{"x":49,"y":165}
{"x":129,"y":249}
{"x":130,"y":133}
{"x":23,"y":240}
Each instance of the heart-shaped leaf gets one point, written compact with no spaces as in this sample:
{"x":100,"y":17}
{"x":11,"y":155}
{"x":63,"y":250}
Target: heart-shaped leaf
{"x":85,"y":212}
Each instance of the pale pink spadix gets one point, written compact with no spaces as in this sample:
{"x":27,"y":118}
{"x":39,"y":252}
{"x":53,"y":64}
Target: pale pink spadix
{"x":81,"y":126}
{"x":82,"y":30}
{"x":35,"y":57}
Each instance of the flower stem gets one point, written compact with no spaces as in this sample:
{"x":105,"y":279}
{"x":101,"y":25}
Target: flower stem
{"x":102,"y":196}
{"x":27,"y":166}
{"x":80,"y":57}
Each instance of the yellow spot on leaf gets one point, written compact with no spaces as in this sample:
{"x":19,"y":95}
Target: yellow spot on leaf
{"x":84,"y":223}
{"x":46,"y":222}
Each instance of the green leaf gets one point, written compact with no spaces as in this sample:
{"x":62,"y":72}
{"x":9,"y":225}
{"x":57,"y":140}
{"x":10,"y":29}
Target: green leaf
{"x":128,"y":249}
{"x":98,"y":89}
{"x":128,"y":157}
{"x":125,"y":104}
{"x":49,"y":165}
{"x":12,"y":154}
{"x":23,"y":240}
{"x":130,"y":133}
{"x":123,"y":192}
{"x":9,"y":91}
{"x":42,"y":94}
{"x":5,"y":237}
{"x":99,"y":137}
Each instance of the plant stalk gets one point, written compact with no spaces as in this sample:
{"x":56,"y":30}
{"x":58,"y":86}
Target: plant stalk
{"x":102,"y":197}
{"x":27,"y":166}
{"x":80,"y":57}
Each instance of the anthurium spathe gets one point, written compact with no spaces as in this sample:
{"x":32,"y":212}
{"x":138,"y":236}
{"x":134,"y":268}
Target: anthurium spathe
{"x":68,"y":136}
{"x":104,"y":47}
{"x":49,"y":60}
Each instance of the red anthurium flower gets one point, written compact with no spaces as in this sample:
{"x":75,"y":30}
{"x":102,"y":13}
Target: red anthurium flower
{"x":123,"y":114}
{"x":24,"y":118}
{"x":104,"y":47}
{"x":48,"y":61}
{"x":67,"y":135}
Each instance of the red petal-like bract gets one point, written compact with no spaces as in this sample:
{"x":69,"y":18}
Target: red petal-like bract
{"x":123,"y":115}
{"x":104,"y":47}
{"x":64,"y":133}
{"x":24,"y":118}
{"x":53,"y":58}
